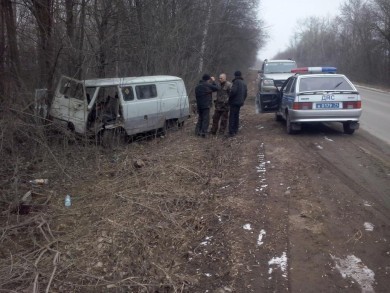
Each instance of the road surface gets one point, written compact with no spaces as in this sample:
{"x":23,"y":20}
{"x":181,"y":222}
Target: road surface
{"x":376,"y":108}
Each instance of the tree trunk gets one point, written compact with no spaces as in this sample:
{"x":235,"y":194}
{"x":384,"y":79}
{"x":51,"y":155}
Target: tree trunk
{"x":11,"y":37}
{"x":204,"y":37}
{"x":80,"y":59}
{"x":43,"y":12}
{"x":70,"y":28}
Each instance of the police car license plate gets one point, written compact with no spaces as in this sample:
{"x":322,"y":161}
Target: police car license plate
{"x":328,"y":106}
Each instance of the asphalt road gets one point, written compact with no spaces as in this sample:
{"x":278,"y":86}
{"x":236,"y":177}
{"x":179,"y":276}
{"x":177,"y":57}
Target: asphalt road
{"x":376,"y":113}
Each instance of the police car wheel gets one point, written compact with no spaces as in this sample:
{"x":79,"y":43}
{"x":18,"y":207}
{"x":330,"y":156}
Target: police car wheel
{"x":347,"y":128}
{"x":289,"y":125}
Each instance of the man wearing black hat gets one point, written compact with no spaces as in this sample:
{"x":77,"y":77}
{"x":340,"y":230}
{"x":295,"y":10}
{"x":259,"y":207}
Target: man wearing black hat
{"x":203,"y":93}
{"x":237,"y":97}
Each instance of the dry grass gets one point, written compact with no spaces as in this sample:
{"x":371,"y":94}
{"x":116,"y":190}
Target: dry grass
{"x":138,"y":217}
{"x":149,"y":216}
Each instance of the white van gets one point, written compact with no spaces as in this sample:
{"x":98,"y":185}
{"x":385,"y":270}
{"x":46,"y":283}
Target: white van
{"x":126,"y":106}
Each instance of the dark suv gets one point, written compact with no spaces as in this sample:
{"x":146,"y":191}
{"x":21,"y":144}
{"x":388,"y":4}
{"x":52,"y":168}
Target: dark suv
{"x":272,"y":75}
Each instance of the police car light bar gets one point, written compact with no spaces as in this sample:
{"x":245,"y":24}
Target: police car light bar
{"x":314,"y":70}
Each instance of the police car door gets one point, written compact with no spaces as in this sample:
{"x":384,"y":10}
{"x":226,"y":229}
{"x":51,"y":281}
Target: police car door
{"x":287,"y":94}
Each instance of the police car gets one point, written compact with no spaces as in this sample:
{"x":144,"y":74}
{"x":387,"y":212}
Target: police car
{"x":316,"y":94}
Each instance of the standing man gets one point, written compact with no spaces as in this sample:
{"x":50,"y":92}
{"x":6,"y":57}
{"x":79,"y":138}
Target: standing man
{"x":221,"y":105}
{"x":237,"y":98}
{"x":204,"y":98}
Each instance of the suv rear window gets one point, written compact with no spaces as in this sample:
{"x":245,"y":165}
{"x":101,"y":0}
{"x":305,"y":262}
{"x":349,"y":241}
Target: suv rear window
{"x":279,"y":67}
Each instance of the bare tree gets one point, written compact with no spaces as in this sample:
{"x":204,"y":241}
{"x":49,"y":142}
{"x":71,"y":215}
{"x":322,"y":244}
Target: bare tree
{"x":356,"y":41}
{"x":9,"y":54}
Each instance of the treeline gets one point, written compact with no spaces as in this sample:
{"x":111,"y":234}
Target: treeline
{"x":357,"y":41}
{"x":42,"y":39}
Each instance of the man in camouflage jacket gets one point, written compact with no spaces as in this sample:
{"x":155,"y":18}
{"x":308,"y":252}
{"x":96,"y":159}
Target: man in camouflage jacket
{"x":221,"y":112}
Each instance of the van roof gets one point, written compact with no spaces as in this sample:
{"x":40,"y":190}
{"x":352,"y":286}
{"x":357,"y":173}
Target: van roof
{"x":128,"y":80}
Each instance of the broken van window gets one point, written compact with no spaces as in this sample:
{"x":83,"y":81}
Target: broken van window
{"x":127,"y":93}
{"x":107,"y":92}
{"x":90,"y":92}
{"x":146,"y":91}
{"x":72,"y":89}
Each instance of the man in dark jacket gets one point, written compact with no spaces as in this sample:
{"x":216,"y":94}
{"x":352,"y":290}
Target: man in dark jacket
{"x":203,"y":93}
{"x":237,"y":98}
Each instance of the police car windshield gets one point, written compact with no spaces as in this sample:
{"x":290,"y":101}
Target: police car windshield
{"x":279,"y":67}
{"x":324,"y":83}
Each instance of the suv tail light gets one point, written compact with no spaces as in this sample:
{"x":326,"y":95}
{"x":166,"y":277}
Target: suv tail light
{"x":352,"y":105}
{"x":302,"y":105}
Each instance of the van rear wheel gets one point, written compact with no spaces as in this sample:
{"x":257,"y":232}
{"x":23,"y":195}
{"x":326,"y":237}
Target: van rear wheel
{"x":162,"y":131}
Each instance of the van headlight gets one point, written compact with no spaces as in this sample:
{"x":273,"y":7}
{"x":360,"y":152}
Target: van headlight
{"x":268,"y":82}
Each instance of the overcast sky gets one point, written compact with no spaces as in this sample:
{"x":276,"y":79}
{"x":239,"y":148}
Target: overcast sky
{"x":281,"y":18}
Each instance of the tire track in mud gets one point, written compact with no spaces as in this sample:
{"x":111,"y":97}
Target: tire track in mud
{"x":323,"y":206}
{"x":344,"y":171}
{"x":314,"y":209}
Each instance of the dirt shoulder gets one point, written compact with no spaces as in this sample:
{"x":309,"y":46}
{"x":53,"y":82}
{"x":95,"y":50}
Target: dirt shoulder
{"x":261,"y":212}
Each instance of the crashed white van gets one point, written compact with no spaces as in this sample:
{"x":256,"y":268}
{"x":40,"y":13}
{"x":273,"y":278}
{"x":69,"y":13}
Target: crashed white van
{"x":125,"y":106}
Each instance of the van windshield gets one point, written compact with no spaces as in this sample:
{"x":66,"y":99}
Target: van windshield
{"x":71,"y":89}
{"x":279,"y":67}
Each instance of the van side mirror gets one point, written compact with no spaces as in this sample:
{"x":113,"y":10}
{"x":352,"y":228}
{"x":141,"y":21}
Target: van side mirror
{"x":260,"y":71}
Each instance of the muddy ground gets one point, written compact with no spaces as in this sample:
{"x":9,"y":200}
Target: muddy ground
{"x":261,"y":212}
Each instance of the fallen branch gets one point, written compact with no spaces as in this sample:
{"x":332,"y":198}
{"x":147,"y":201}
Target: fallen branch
{"x":55,"y":262}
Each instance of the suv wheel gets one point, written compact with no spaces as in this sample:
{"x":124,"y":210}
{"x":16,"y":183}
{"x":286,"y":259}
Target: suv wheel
{"x":278,"y":117}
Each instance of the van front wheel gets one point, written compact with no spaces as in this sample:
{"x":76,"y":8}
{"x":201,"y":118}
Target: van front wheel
{"x":113,"y":138}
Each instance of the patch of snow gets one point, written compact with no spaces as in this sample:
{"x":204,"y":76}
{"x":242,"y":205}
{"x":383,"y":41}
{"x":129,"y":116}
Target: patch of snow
{"x":368,"y":226}
{"x":367,"y":204}
{"x":260,"y":238}
{"x":207,"y":241}
{"x":261,"y":168}
{"x":247,"y":227}
{"x":319,"y":147}
{"x":280,"y":262}
{"x":328,"y":139}
{"x":207,"y":275}
{"x":269,"y":273}
{"x":352,"y":267}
